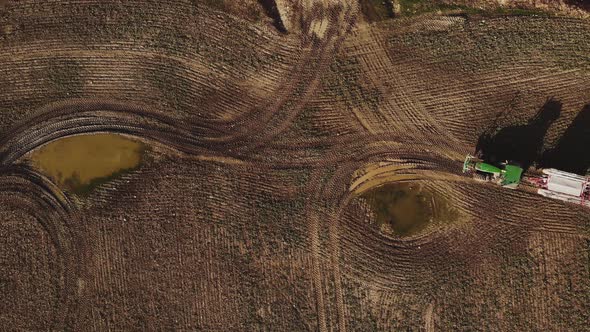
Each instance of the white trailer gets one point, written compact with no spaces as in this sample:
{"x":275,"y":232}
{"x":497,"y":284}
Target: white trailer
{"x":565,"y":186}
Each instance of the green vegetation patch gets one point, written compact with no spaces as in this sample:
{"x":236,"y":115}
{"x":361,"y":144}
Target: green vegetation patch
{"x":380,"y":10}
{"x":487,"y":44}
{"x":418,"y":7}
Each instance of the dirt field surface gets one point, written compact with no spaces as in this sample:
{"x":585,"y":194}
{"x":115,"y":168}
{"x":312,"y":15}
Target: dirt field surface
{"x":268,"y":124}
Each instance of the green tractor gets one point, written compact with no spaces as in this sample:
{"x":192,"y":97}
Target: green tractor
{"x":505,"y":174}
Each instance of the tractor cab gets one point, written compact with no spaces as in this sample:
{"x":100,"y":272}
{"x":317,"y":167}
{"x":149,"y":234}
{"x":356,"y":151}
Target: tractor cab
{"x":505,"y":174}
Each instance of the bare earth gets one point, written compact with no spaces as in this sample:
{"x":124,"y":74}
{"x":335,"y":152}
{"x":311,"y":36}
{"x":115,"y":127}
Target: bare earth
{"x":265,"y":126}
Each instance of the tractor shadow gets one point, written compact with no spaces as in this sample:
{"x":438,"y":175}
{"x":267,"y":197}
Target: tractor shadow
{"x":520,"y":144}
{"x":571,"y":152}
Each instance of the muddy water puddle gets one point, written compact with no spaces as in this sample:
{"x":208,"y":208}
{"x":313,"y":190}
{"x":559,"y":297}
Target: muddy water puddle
{"x":80,"y":163}
{"x":405,"y":209}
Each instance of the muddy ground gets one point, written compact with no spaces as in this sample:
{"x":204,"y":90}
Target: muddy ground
{"x":264,"y":135}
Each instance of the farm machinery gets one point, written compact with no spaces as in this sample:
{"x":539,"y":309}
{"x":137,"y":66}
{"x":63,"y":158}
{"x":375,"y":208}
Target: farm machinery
{"x":550,"y":182}
{"x":505,"y":174}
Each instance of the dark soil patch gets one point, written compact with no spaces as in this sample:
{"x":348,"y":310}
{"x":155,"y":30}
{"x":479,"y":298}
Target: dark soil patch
{"x":377,"y":10}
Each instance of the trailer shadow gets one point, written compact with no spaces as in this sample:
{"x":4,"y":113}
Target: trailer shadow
{"x":570,"y":154}
{"x":582,"y":4}
{"x":520,"y":144}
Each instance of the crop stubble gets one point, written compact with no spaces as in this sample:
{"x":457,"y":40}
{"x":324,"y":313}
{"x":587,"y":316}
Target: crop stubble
{"x":245,"y":217}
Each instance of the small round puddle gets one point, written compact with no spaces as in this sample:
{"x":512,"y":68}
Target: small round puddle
{"x":406,"y":209}
{"x":80,"y":163}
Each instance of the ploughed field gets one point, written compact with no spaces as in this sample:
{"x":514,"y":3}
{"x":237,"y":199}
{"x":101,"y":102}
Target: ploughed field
{"x":286,"y":166}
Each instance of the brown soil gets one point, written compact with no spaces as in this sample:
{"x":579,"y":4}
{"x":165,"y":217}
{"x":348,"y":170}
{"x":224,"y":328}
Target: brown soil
{"x":245,"y":216}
